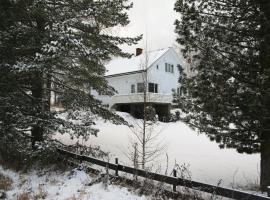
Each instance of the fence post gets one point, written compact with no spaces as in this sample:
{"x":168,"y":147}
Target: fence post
{"x":116,"y":170}
{"x":174,"y":185}
{"x":268,"y":191}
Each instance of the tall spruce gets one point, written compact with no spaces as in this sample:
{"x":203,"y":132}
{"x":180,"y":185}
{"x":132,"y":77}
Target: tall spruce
{"x":228,"y":44}
{"x":55,"y":46}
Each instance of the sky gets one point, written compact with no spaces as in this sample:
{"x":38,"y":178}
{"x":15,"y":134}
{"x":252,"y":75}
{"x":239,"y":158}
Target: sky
{"x":154,"y":19}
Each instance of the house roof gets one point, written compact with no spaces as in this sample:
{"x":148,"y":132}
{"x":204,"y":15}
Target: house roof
{"x":133,"y":64}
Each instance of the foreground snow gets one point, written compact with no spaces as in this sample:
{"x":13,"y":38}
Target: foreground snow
{"x":206,"y":161}
{"x":62,"y":186}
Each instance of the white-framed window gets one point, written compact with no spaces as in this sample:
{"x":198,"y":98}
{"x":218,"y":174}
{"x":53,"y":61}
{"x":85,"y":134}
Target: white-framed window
{"x":181,"y":91}
{"x":153,"y":87}
{"x":169,"y":68}
{"x":132,"y":88}
{"x":140,"y":87}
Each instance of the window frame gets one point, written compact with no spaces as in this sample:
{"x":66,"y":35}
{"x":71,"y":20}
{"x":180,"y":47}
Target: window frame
{"x":169,"y":68}
{"x":151,"y":86}
{"x":140,"y":87}
{"x":132,"y":88}
{"x":154,"y":87}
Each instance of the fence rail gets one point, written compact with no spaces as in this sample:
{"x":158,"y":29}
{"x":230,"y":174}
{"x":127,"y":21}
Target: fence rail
{"x":221,"y":191}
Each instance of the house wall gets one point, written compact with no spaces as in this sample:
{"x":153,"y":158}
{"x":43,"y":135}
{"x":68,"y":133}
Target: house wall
{"x":122,"y":84}
{"x":166,"y":80}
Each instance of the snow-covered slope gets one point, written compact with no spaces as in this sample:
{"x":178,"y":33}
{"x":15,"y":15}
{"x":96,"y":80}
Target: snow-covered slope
{"x":207,"y":162}
{"x":62,"y":186}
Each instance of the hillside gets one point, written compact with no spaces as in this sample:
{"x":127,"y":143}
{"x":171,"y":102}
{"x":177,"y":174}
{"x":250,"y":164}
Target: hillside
{"x":207,"y":162}
{"x":59,"y":185}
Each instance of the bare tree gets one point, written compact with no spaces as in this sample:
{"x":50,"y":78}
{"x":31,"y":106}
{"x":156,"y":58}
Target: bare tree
{"x":146,"y":141}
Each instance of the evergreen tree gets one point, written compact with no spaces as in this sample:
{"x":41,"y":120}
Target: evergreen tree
{"x":228,"y":42}
{"x":58,"y":46}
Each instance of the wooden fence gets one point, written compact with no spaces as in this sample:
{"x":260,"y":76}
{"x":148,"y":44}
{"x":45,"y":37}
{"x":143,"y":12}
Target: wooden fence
{"x":175,"y":181}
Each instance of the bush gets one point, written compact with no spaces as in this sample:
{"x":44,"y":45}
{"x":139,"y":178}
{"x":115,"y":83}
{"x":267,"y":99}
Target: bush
{"x":5,"y":182}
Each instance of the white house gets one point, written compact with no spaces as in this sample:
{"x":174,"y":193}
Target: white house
{"x":158,"y":69}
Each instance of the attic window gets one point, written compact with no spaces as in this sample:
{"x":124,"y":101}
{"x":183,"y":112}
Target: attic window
{"x":169,"y":68}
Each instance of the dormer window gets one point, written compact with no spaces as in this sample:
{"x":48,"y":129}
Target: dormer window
{"x":169,"y":68}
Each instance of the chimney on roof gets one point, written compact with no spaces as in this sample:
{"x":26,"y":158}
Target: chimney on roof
{"x":139,"y":51}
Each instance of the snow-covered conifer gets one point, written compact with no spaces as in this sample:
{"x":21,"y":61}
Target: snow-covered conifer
{"x":59,"y":47}
{"x":228,"y":44}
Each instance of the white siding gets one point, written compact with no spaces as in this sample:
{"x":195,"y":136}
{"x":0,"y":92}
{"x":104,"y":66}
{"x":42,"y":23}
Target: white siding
{"x":166,"y":81}
{"x":123,"y":83}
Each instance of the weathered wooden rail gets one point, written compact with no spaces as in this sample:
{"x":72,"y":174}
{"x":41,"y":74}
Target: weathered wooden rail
{"x":175,"y":181}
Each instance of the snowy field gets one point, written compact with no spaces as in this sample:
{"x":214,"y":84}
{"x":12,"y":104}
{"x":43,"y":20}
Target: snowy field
{"x":206,"y":161}
{"x":61,"y":186}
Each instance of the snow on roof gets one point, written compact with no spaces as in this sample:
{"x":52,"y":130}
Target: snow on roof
{"x":135,"y":63}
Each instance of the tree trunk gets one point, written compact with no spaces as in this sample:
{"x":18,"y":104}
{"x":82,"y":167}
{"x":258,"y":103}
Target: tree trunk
{"x":38,"y":85}
{"x":265,"y":64}
{"x":47,"y":94}
{"x":265,"y":164}
{"x":37,"y":135}
{"x":37,"y":93}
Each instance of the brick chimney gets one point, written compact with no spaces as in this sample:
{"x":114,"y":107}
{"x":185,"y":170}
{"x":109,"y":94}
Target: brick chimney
{"x":139,"y":51}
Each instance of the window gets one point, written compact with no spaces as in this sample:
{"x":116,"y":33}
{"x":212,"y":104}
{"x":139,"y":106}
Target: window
{"x":181,"y":91}
{"x":132,"y":88}
{"x":153,"y":87}
{"x":157,"y":66}
{"x":169,"y":68}
{"x":156,"y":88}
{"x":140,"y":87}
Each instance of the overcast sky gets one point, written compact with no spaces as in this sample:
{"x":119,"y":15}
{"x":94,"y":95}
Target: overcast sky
{"x":154,"y":19}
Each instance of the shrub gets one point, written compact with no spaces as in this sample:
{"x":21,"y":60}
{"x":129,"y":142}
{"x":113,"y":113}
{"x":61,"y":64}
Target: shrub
{"x":5,"y":182}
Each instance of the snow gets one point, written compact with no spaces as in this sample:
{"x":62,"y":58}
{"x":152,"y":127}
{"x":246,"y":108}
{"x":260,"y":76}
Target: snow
{"x":208,"y":163}
{"x":111,"y":193}
{"x":135,"y":63}
{"x":63,"y":186}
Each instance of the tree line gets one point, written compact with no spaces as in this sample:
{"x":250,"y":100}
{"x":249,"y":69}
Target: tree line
{"x":228,"y":45}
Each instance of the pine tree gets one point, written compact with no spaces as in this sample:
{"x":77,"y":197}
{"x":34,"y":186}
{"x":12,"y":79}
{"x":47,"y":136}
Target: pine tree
{"x":228,"y":99}
{"x":56,"y":46}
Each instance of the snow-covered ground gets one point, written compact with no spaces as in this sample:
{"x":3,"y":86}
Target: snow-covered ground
{"x":206,"y":161}
{"x":62,"y":186}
